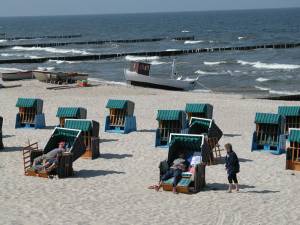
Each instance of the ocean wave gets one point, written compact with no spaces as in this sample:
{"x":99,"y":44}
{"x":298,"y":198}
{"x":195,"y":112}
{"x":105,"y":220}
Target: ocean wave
{"x":275,"y":66}
{"x":262,"y":88}
{"x":155,"y":62}
{"x":141,"y":58}
{"x":193,"y":42}
{"x":52,"y":50}
{"x":101,"y":81}
{"x":214,"y":63}
{"x":284,"y":92}
{"x":206,"y":72}
{"x":271,"y":91}
{"x":2,"y":41}
{"x":172,"y":49}
{"x":240,"y":38}
{"x":185,"y":31}
{"x":46,"y":68}
{"x":5,"y":69}
{"x":63,"y":61}
{"x":262,"y":79}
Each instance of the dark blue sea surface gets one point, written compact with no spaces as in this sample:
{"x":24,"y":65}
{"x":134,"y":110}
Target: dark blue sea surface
{"x":274,"y":71}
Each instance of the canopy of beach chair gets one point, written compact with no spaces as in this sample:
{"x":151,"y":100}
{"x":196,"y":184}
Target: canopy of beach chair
{"x":73,"y":139}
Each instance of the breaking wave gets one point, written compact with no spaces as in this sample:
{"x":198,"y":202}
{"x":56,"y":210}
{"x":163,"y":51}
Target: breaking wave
{"x":214,"y":63}
{"x":52,"y":50}
{"x":262,"y":79}
{"x":193,"y":42}
{"x":275,"y":66}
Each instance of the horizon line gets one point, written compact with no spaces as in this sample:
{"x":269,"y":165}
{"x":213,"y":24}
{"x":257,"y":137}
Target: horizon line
{"x":131,"y":13}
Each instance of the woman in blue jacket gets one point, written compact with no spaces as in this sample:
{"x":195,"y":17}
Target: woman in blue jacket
{"x":232,"y":167}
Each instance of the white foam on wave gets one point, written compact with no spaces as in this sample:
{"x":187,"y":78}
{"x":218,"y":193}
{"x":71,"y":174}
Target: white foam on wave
{"x":284,"y":92}
{"x":240,"y":38}
{"x":2,"y":41}
{"x":172,"y":49}
{"x":45,"y":68}
{"x":185,"y":31}
{"x":5,"y":69}
{"x":214,"y":63}
{"x":193,"y":42}
{"x":262,"y":79}
{"x":262,"y":88}
{"x":155,"y":62}
{"x":275,"y":66}
{"x":106,"y":82}
{"x":52,"y":50}
{"x":63,"y":61}
{"x":141,"y":58}
{"x":277,"y":92}
{"x":206,"y":73}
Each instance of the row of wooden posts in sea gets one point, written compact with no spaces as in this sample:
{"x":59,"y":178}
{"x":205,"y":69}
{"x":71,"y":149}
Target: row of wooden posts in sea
{"x":190,"y":131}
{"x":151,"y":53}
{"x":97,"y":42}
{"x":68,"y":36}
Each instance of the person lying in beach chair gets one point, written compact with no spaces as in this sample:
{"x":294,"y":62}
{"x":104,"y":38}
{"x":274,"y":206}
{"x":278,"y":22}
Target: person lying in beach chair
{"x":49,"y":161}
{"x":176,"y":170}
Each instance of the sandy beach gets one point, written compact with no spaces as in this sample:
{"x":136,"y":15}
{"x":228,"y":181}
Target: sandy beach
{"x":113,"y":188}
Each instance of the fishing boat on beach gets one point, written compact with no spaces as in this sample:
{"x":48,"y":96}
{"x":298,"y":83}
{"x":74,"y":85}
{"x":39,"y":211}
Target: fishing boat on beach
{"x":59,"y":77}
{"x":138,"y":75}
{"x":13,"y":75}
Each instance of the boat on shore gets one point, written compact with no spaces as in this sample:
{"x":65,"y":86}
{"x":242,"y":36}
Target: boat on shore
{"x":12,"y":75}
{"x":138,"y":75}
{"x":59,"y":77}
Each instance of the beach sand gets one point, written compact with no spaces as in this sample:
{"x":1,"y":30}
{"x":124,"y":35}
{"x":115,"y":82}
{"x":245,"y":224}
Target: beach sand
{"x":113,"y":189}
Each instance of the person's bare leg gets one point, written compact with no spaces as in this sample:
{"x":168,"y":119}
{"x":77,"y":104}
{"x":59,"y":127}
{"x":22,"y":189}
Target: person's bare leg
{"x":174,"y":190}
{"x":158,"y":186}
{"x":229,"y":188}
{"x":236,"y":186}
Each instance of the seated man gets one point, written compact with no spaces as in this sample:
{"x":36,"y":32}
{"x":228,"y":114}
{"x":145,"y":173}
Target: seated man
{"x":179,"y":166}
{"x":49,"y":160}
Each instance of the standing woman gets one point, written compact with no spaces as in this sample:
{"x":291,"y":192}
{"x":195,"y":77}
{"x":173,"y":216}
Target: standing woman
{"x":232,"y":166}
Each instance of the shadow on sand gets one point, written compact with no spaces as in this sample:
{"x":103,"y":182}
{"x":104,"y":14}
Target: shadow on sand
{"x":8,"y":136}
{"x":114,"y":156}
{"x":11,"y":149}
{"x":222,"y":160}
{"x":147,"y":130}
{"x":223,"y":187}
{"x":232,"y":135}
{"x":94,"y":173}
{"x":107,"y":140}
{"x":49,"y":127}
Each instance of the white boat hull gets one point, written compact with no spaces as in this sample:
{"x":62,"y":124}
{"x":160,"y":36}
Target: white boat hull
{"x":154,"y":82}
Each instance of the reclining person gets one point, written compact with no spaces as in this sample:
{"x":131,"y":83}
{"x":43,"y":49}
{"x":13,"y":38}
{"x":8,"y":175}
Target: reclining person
{"x":49,"y":160}
{"x":179,"y":166}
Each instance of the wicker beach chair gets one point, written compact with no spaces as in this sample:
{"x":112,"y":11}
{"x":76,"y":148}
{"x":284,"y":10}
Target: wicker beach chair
{"x":75,"y":149}
{"x":121,"y":117}
{"x":169,"y":121}
{"x":30,"y":113}
{"x":214,"y":133}
{"x":293,"y":150}
{"x":186,"y":144}
{"x":70,"y":113}
{"x":90,"y":133}
{"x":269,"y":133}
{"x":292,"y":116}
{"x":199,"y":110}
